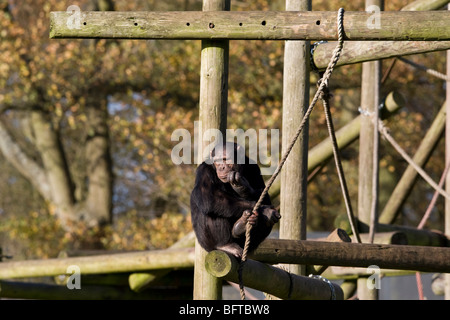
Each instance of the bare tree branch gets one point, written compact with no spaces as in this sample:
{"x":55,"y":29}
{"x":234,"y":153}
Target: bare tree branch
{"x":24,"y":164}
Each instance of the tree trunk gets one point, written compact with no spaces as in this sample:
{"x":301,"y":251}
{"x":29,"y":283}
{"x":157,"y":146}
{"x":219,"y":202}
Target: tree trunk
{"x":51,"y":175}
{"x":98,"y":203}
{"x":54,"y":163}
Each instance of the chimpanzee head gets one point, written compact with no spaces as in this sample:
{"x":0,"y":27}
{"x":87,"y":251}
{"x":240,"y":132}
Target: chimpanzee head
{"x":227,"y":157}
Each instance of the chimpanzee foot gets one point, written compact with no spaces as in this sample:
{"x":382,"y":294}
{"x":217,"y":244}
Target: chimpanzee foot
{"x":270,"y":215}
{"x":232,"y":248}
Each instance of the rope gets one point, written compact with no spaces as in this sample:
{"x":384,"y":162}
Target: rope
{"x":434,"y":199}
{"x":435,"y":73}
{"x":375,"y":160}
{"x":324,"y":81}
{"x":422,"y":224}
{"x":326,"y":106}
{"x":385,"y":132}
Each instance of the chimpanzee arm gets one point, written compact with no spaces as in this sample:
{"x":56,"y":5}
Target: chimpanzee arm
{"x":242,"y":187}
{"x":211,"y":198}
{"x":249,"y":183}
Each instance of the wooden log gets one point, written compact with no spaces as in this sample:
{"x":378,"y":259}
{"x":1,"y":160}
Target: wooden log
{"x":263,"y":277}
{"x":163,"y":278}
{"x":348,"y":273}
{"x":368,"y":141}
{"x":425,"y":5}
{"x":414,"y":236}
{"x":358,"y":51}
{"x":26,"y":290}
{"x":392,"y":237}
{"x":110,"y":279}
{"x":348,"y":288}
{"x":295,"y":171}
{"x":427,"y":259}
{"x":438,"y":284}
{"x":251,"y":25}
{"x":213,"y":115}
{"x":407,"y":181}
{"x":108,"y":263}
{"x":338,"y":235}
{"x":368,"y":177}
{"x":138,"y":281}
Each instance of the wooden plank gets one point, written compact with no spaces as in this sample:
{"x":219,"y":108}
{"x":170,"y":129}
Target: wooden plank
{"x":268,"y":25}
{"x":418,"y":258}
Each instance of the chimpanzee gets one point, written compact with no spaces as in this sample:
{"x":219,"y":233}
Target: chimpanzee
{"x":225,"y":192}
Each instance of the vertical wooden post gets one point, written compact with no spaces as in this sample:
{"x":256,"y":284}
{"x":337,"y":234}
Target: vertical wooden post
{"x":213,"y":115}
{"x":447,"y":179}
{"x":295,"y":102}
{"x":370,"y":101}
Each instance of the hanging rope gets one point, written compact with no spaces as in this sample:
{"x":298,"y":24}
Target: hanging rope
{"x":324,"y":81}
{"x":325,"y":96}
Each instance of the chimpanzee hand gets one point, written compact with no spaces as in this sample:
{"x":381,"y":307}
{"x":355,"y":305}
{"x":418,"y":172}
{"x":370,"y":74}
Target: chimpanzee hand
{"x":235,"y":178}
{"x":240,"y":225}
{"x":240,"y":185}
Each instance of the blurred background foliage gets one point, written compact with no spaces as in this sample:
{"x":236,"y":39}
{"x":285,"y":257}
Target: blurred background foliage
{"x":152,"y":88}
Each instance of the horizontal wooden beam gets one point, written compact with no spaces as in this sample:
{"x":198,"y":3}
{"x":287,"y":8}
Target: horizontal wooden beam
{"x":357,"y":51}
{"x":44,"y":291}
{"x":427,"y":259}
{"x":100,"y":264}
{"x":269,"y":279}
{"x":251,"y":25}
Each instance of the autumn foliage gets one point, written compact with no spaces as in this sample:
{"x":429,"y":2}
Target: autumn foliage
{"x":110,"y":108}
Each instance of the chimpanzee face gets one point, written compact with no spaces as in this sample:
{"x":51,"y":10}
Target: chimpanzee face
{"x":223,"y":168}
{"x":224,"y":160}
